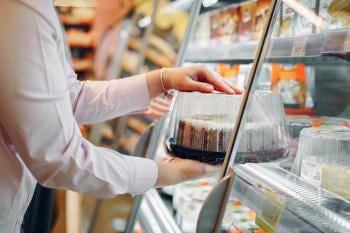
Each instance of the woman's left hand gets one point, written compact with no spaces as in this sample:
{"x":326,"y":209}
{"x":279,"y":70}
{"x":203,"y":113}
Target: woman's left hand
{"x":192,"y":78}
{"x":197,"y":78}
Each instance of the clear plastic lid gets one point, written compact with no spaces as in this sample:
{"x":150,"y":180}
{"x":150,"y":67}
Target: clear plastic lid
{"x":205,"y":122}
{"x":328,"y":145}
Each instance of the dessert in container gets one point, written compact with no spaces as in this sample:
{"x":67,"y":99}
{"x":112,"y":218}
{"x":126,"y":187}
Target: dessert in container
{"x":323,"y":158}
{"x":204,"y":123}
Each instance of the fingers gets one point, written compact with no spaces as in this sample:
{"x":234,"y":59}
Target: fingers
{"x":176,"y":170}
{"x":193,"y":85}
{"x":160,"y":107}
{"x":207,"y":75}
{"x":237,"y":90}
{"x":161,"y":101}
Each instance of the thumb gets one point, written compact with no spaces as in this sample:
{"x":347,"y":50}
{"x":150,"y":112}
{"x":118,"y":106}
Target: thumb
{"x":199,"y":86}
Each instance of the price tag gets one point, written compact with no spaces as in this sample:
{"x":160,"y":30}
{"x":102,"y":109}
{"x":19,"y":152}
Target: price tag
{"x":346,"y":46}
{"x":311,"y":171}
{"x":299,"y":46}
{"x":269,"y":213}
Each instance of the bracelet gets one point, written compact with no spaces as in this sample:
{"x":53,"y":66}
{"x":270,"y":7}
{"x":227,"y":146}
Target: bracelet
{"x":165,"y":91}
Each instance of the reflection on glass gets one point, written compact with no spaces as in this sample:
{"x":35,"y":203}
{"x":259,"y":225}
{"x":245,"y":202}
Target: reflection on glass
{"x":294,"y":140}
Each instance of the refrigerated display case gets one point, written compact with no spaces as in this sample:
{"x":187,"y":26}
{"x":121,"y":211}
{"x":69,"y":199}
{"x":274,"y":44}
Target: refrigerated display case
{"x":293,"y":175}
{"x":307,"y":190}
{"x":163,"y":204}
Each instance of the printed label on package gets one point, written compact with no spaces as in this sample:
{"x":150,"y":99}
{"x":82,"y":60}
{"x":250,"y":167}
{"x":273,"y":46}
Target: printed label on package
{"x":336,"y":179}
{"x":311,"y":171}
{"x":299,"y":46}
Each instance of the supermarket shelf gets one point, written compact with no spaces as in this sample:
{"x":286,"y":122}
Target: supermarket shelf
{"x":69,"y":20}
{"x":154,"y":216}
{"x":300,"y":206}
{"x":217,"y":53}
{"x":331,"y":43}
{"x":83,"y":65}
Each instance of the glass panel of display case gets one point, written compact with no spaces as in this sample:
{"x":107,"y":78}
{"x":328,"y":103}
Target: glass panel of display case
{"x":294,"y":133}
{"x":201,"y":125}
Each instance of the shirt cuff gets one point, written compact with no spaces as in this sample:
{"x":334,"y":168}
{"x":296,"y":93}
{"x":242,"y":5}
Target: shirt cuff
{"x":146,"y":174}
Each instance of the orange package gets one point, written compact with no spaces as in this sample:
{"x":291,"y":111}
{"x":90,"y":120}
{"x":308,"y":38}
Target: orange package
{"x":291,"y":83}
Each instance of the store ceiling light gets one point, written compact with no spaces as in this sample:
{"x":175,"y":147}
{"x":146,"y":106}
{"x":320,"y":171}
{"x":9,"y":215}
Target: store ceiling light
{"x":75,"y":3}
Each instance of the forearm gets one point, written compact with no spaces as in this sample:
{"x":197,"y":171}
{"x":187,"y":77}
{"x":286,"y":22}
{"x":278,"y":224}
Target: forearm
{"x":95,"y":101}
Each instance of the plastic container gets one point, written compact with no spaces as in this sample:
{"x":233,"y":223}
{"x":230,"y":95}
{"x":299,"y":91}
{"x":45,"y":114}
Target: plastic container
{"x":323,"y":158}
{"x":204,"y":124}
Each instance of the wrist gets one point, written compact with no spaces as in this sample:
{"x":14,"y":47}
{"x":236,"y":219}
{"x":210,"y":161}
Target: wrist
{"x":166,"y":79}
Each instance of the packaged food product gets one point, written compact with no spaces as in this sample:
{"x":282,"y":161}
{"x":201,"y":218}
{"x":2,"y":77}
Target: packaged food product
{"x":204,"y":124}
{"x":324,"y":158}
{"x":187,"y":201}
{"x":247,"y":21}
{"x":336,"y":13}
{"x":291,"y":83}
{"x":239,"y":219}
{"x":262,"y":9}
{"x":215,"y":27}
{"x":229,"y":20}
{"x":304,"y":26}
{"x":288,"y":21}
{"x":202,"y":33}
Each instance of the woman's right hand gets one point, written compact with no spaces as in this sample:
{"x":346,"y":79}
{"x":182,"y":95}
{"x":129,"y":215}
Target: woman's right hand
{"x":175,"y":170}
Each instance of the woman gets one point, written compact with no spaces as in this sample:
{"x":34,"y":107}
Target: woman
{"x":42,"y":104}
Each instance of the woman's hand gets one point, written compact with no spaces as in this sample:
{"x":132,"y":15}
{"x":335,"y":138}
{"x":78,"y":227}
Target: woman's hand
{"x":174,"y":171}
{"x":158,"y":108}
{"x":191,"y":78}
{"x":197,"y":78}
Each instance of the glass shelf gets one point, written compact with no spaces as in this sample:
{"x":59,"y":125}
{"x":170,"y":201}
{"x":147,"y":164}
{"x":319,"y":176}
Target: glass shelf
{"x":331,"y":43}
{"x":304,"y":206}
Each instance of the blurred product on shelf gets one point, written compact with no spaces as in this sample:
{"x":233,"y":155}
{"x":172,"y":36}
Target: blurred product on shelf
{"x":229,"y":22}
{"x":76,"y":15}
{"x":261,"y":13}
{"x":287,"y":25}
{"x":202,"y":125}
{"x":236,"y":23}
{"x":187,"y":200}
{"x":247,"y":21}
{"x":323,"y":158}
{"x":189,"y":197}
{"x":239,"y":219}
{"x":296,"y":85}
{"x":296,"y":123}
{"x":79,"y":38}
{"x":336,"y":13}
{"x":303,"y":26}
{"x":291,"y":83}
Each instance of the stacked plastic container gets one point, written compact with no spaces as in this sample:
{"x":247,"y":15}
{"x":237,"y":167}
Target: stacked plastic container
{"x":323,"y":158}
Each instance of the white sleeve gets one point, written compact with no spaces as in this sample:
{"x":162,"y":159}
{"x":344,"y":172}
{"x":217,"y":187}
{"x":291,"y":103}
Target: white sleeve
{"x":96,"y":101}
{"x":36,"y":112}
